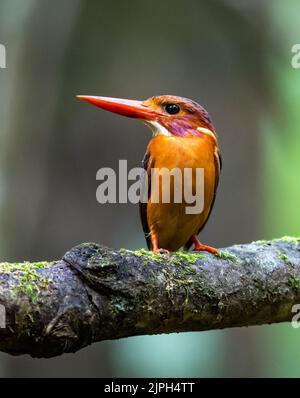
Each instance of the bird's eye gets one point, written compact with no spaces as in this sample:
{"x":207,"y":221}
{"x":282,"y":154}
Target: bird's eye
{"x":172,"y":109}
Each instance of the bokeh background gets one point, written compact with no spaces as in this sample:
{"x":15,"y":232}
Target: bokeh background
{"x":232,"y":56}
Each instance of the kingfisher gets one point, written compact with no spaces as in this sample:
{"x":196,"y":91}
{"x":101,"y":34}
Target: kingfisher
{"x":183,"y":137}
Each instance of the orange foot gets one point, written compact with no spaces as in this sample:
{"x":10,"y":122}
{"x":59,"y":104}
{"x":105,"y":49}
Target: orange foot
{"x":156,"y":249}
{"x":203,"y":248}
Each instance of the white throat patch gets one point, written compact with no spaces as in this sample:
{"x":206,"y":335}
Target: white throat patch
{"x":157,"y":128}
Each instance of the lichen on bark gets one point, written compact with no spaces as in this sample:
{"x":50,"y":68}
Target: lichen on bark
{"x":94,"y":293}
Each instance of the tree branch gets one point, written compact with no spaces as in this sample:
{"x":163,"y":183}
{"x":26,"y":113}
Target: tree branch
{"x":95,"y":293}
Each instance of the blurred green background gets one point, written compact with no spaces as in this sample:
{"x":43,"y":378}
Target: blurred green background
{"x":233,"y":57}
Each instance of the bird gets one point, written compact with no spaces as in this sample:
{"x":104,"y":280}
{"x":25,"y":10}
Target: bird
{"x":183,"y":137}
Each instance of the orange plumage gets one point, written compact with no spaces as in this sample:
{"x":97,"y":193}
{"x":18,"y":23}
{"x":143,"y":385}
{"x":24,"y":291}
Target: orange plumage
{"x":184,"y":137}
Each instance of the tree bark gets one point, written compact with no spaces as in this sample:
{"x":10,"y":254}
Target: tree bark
{"x":95,"y":293}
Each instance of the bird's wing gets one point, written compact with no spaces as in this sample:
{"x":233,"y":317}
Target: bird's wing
{"x":218,"y":166}
{"x":147,"y":164}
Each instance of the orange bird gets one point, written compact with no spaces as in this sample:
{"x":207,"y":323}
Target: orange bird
{"x":183,"y":137}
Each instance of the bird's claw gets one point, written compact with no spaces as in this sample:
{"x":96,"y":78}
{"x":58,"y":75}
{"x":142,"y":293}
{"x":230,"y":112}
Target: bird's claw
{"x":161,"y":251}
{"x":209,"y":249}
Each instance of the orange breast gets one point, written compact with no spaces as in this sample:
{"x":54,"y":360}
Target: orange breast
{"x":170,"y":222}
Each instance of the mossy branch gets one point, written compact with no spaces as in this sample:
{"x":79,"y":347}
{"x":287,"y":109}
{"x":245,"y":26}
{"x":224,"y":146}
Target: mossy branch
{"x":95,"y":293}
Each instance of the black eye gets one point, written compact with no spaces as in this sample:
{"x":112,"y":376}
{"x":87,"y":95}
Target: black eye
{"x":172,"y":109}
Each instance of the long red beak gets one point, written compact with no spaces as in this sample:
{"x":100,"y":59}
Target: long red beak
{"x":125,"y":107}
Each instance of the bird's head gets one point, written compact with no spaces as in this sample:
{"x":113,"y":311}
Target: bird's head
{"x":166,"y":114}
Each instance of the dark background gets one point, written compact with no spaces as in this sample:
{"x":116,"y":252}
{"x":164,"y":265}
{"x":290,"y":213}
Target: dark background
{"x":231,"y":56}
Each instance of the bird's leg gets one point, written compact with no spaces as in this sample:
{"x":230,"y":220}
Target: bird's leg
{"x":203,"y":248}
{"x":155,"y":247}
